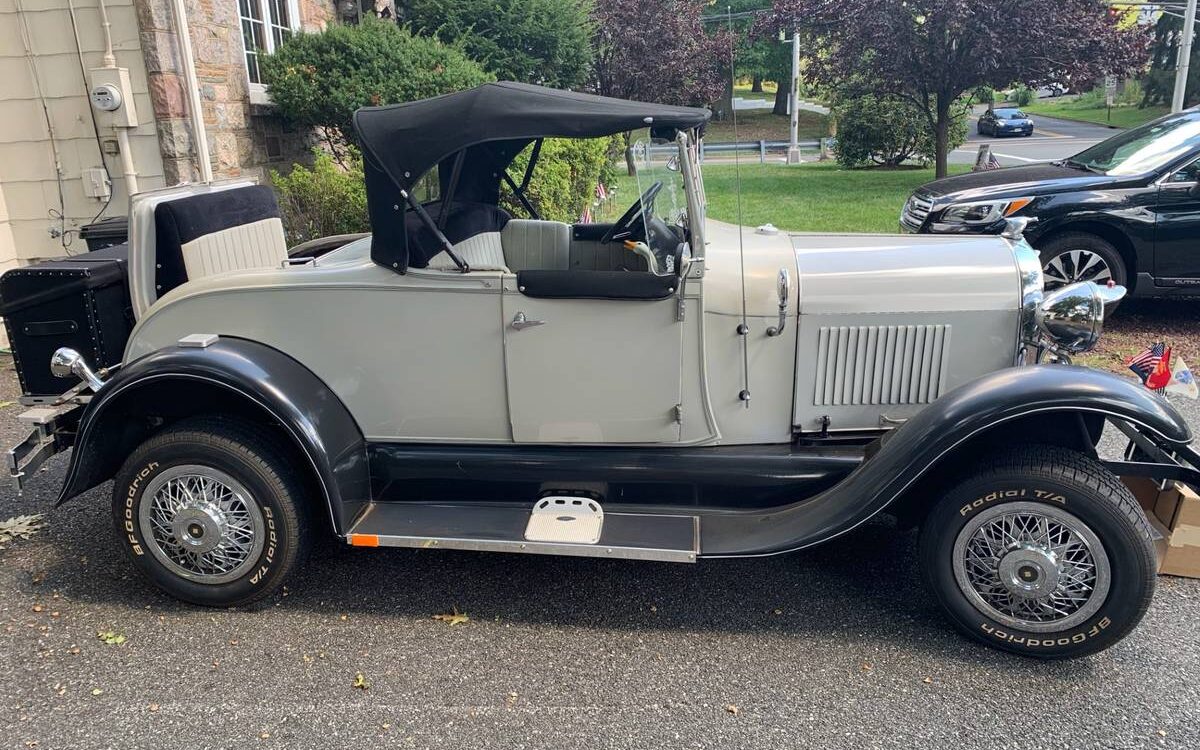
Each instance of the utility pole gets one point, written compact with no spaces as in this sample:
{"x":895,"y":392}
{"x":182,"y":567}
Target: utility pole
{"x":793,"y":153}
{"x":1185,"y":56}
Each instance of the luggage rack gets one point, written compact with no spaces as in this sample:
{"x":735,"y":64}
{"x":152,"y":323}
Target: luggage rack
{"x":53,"y":431}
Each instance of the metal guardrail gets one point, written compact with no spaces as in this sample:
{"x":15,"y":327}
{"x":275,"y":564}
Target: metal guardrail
{"x":761,"y":147}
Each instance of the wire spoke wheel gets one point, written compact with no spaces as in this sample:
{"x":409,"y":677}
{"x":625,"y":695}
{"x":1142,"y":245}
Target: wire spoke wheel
{"x":1073,"y":266}
{"x":1032,"y":566}
{"x":201,"y":523}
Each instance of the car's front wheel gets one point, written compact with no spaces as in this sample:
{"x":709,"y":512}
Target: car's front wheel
{"x":210,"y":512}
{"x":1072,"y":257}
{"x":1040,"y":551}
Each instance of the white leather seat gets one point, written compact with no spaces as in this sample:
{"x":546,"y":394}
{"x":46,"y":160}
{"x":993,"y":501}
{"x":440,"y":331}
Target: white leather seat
{"x":258,"y":244}
{"x":483,"y":252}
{"x":531,"y":244}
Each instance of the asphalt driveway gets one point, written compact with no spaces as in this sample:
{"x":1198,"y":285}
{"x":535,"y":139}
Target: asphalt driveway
{"x":835,"y":647}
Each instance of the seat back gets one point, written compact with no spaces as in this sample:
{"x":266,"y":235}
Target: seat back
{"x":531,"y":244}
{"x":231,"y":230}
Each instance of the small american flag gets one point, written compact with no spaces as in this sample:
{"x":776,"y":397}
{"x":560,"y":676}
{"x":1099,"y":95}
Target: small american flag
{"x":601,"y":193}
{"x":992,"y":162}
{"x":1145,"y":363}
{"x":586,"y":216}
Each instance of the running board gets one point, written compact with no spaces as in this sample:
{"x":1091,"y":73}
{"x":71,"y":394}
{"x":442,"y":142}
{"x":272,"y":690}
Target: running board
{"x":490,"y":528}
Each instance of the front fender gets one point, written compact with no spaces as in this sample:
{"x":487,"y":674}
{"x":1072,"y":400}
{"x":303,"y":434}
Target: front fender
{"x":912,"y":450}
{"x":270,"y":386}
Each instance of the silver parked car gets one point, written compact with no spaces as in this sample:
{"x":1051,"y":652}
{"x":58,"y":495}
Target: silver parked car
{"x":663,"y":387}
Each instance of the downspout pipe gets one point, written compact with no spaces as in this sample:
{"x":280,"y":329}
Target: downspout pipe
{"x":199,"y":133}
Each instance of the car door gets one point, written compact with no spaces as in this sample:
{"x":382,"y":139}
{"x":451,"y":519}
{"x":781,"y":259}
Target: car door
{"x":593,"y":367}
{"x":1177,"y":228}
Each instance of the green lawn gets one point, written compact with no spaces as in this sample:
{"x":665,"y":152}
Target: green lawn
{"x":1124,"y":116}
{"x":814,"y":197}
{"x":762,"y":125}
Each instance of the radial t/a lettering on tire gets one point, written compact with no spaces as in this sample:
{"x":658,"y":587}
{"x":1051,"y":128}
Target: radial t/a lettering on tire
{"x":210,"y":513}
{"x":1040,"y":551}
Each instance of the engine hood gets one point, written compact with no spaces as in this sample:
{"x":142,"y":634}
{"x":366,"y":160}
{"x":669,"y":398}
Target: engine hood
{"x":859,"y":273}
{"x":1012,"y":182}
{"x":854,"y":273}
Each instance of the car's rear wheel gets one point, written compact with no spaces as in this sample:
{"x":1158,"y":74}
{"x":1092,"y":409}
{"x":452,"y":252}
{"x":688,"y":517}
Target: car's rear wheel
{"x":1079,"y":256}
{"x":211,"y":513}
{"x":1042,"y":552}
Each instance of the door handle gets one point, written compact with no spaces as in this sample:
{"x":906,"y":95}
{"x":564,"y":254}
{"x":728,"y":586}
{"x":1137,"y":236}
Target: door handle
{"x":520,"y":322}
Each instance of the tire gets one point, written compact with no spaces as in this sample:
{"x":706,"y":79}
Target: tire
{"x":1063,"y":255}
{"x":1070,"y":492}
{"x":236,"y":551}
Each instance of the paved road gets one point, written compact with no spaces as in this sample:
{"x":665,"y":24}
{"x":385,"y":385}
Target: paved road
{"x":839,"y":647}
{"x":1051,"y":139}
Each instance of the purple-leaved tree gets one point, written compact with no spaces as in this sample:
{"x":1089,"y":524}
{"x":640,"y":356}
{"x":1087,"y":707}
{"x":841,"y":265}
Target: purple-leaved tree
{"x":657,"y":50}
{"x":934,"y":51}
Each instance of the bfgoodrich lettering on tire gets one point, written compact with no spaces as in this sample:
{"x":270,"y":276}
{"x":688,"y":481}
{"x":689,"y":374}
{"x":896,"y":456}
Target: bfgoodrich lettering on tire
{"x":209,"y":512}
{"x":1040,"y":551}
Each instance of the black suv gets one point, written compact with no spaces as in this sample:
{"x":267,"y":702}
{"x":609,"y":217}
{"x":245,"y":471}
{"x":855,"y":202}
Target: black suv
{"x":1126,"y":209}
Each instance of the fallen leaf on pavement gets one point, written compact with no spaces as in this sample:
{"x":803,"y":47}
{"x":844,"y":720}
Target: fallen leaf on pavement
{"x":97,"y":691}
{"x":153,"y":707}
{"x":454,"y":618}
{"x":731,"y":708}
{"x":5,"y":403}
{"x":360,"y":682}
{"x":928,"y":680}
{"x":110,"y":637}
{"x":37,"y":608}
{"x":20,"y":527}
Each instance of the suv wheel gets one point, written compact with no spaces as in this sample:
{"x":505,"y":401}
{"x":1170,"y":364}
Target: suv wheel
{"x":1042,"y":552}
{"x":210,"y":512}
{"x":1077,"y":256}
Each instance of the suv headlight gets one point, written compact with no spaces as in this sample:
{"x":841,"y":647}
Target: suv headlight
{"x":1071,"y":317}
{"x":982,"y":212}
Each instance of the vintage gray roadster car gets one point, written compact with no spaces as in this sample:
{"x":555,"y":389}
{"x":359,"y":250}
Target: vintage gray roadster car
{"x":664,"y":387}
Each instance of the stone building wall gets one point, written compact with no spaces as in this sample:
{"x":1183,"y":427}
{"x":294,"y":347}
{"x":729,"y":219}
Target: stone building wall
{"x":244,"y":139}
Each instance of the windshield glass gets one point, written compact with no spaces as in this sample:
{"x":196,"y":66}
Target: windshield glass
{"x":657,"y":161}
{"x":1144,"y":149}
{"x":1010,"y":114}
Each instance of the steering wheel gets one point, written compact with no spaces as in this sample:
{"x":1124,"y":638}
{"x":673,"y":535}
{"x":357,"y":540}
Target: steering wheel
{"x":635,"y":217}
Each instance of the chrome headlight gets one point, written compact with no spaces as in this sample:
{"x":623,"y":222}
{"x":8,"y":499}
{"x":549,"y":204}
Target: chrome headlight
{"x":1071,"y":317}
{"x":982,"y":212}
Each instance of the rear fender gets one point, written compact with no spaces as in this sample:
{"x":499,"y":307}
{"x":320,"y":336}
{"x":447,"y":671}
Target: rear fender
{"x":940,"y":436}
{"x":245,"y":378}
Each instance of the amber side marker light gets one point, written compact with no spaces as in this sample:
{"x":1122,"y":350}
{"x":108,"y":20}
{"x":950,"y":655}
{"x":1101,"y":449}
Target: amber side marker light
{"x":364,"y":540}
{"x":1017,"y":205}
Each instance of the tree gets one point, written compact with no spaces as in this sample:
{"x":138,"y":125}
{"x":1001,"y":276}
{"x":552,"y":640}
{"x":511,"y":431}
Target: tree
{"x":534,"y":41}
{"x":1164,"y":55}
{"x":319,"y":80}
{"x":656,"y":50}
{"x":931,"y":52}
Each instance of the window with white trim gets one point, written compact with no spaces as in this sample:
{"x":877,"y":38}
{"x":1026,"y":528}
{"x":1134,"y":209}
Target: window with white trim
{"x":265,"y":26}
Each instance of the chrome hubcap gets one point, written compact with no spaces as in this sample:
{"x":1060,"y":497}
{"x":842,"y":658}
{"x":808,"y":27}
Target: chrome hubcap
{"x":1074,"y":266}
{"x":1032,"y":566}
{"x":201,"y":523}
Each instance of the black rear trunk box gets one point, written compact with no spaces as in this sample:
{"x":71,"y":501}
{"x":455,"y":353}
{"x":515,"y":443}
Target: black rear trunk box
{"x":81,"y":302}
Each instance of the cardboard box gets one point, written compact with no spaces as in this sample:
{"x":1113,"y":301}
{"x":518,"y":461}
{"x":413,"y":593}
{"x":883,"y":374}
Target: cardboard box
{"x":1174,"y":513}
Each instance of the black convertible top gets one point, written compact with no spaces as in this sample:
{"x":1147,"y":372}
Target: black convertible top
{"x":407,"y":140}
{"x":489,"y":125}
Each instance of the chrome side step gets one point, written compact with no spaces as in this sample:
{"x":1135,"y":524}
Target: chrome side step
{"x":481,"y":527}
